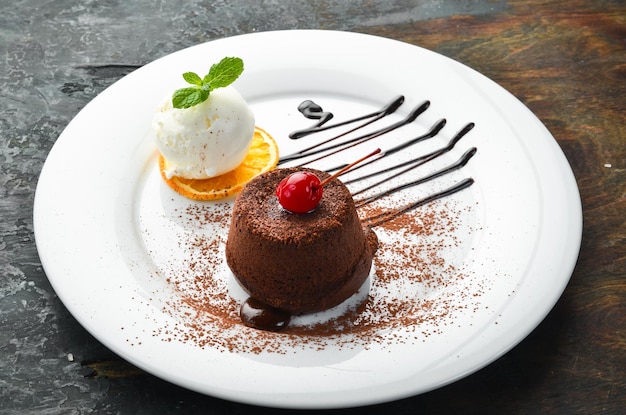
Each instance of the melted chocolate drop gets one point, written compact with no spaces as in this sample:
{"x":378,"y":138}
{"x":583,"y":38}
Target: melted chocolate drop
{"x":259,"y":315}
{"x":314,"y":112}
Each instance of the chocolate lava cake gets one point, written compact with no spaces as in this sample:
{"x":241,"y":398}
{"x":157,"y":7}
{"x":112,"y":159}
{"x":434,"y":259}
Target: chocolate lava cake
{"x":299,"y":263}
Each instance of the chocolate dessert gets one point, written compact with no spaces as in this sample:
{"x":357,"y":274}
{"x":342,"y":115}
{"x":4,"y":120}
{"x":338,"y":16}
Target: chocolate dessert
{"x":298,"y":263}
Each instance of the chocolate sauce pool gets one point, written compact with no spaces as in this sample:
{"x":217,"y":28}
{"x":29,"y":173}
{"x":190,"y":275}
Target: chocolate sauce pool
{"x":261,"y":316}
{"x":255,"y":313}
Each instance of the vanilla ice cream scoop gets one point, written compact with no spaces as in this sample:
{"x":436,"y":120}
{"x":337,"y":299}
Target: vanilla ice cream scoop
{"x":207,"y":139}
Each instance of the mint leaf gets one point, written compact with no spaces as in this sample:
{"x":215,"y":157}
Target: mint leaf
{"x":224,"y":73}
{"x":188,"y":97}
{"x":220,"y":75}
{"x":192,"y":78}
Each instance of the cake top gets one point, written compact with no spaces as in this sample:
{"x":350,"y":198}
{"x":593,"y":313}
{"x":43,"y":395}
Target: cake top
{"x":258,"y":199}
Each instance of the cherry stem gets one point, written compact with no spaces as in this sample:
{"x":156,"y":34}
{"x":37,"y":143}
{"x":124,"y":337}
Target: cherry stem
{"x":348,"y":167}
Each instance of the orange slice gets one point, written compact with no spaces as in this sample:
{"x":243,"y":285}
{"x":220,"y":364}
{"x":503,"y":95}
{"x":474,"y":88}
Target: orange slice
{"x":262,"y":157}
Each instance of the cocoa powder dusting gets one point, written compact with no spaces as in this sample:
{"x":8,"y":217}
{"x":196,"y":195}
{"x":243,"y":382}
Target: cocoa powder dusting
{"x":416,"y":289}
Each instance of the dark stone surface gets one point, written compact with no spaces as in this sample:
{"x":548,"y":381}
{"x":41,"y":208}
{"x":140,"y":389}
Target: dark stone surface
{"x":57,"y":55}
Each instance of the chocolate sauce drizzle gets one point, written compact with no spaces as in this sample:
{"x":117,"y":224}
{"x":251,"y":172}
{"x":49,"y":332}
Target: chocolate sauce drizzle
{"x":418,"y":161}
{"x":311,"y":110}
{"x":343,"y":145}
{"x":455,"y":166}
{"x":381,"y":218}
{"x":330,"y":147}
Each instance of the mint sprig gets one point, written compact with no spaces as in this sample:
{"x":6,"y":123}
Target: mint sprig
{"x":220,"y":75}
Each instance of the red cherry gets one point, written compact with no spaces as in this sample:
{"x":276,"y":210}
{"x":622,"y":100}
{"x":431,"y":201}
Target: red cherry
{"x":299,"y":192}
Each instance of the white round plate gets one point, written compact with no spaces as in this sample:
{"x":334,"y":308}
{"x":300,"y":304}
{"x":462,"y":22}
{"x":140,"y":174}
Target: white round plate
{"x":118,"y":245}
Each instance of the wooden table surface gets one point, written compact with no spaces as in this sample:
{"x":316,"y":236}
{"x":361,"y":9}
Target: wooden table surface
{"x":566,"y":60}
